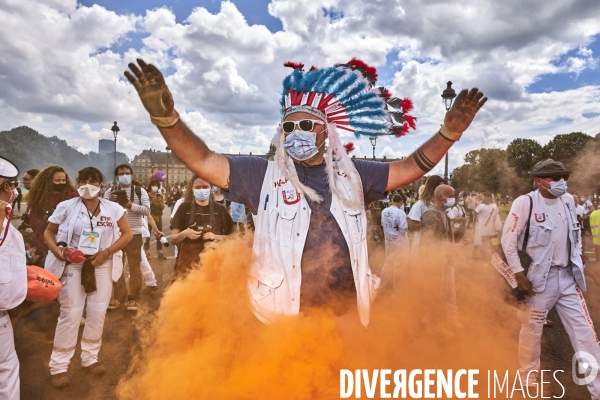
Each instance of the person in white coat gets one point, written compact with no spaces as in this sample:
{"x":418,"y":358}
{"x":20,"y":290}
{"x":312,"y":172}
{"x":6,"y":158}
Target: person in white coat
{"x":98,"y":228}
{"x":395,"y":231}
{"x":13,"y":281}
{"x":555,"y":277}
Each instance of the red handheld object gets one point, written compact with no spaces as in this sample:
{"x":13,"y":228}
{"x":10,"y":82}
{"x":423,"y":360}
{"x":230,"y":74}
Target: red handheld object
{"x":73,"y":255}
{"x":42,"y":285}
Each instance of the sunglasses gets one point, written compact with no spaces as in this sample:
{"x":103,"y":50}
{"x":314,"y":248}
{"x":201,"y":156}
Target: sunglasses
{"x":306,"y":125}
{"x":557,"y":178}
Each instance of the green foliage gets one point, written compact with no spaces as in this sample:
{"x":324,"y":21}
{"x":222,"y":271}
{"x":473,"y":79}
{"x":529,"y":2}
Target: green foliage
{"x":29,"y":149}
{"x":564,"y":148}
{"x":523,"y":154}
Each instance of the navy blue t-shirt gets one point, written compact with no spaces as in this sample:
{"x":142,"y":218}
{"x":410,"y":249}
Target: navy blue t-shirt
{"x":327,"y":277}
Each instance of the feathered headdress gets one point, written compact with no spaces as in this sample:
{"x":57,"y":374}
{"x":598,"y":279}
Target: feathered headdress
{"x":345,"y":95}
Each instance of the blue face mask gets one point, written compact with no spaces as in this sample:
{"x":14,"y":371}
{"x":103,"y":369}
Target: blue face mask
{"x":450,"y":202}
{"x":558,"y":188}
{"x":215,"y":189}
{"x":125,"y":180}
{"x":28,"y":253}
{"x":201,"y":194}
{"x":301,"y":145}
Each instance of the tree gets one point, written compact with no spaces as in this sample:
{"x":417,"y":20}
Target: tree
{"x":523,"y":154}
{"x":564,"y":148}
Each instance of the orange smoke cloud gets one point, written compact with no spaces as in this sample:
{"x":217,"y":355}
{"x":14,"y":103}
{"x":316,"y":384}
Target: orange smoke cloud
{"x":205,"y":343}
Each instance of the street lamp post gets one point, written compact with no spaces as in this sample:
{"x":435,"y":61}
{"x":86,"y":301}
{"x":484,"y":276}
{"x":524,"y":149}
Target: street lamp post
{"x":373,"y":143}
{"x":168,"y":148}
{"x":115,"y":130}
{"x":448,"y":95}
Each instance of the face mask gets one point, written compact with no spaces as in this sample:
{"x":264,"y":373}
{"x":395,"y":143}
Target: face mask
{"x":154,"y":189}
{"x":201,"y":194}
{"x":215,"y":189}
{"x":558,"y":188}
{"x":301,"y":145}
{"x":462,"y":203}
{"x":581,"y":201}
{"x":449,"y":202}
{"x":28,"y":254}
{"x":28,"y":187}
{"x":88,"y":191}
{"x":59,"y":187}
{"x":13,"y":195}
{"x":125,"y":180}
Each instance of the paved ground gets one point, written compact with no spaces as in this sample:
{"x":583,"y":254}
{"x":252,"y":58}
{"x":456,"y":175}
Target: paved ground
{"x":120,"y":342}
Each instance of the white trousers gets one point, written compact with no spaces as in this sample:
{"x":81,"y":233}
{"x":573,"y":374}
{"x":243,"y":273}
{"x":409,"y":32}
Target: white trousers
{"x":147,"y":273}
{"x":9,"y":363}
{"x":561,"y":291}
{"x":72,"y":299}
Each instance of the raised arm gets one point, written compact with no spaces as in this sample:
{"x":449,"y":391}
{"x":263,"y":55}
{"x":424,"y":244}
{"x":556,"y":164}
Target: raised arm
{"x":189,"y":148}
{"x":456,"y":121}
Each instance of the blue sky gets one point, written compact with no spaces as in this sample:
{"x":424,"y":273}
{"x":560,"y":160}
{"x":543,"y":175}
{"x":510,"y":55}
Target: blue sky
{"x":61,"y":71}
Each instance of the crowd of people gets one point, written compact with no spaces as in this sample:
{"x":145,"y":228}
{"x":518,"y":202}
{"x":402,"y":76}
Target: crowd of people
{"x":308,"y":208}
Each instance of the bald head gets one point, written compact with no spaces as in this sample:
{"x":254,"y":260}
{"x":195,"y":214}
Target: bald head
{"x":445,"y":191}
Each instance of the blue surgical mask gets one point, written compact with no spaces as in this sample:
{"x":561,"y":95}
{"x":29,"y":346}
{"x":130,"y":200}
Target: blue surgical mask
{"x":125,"y":180}
{"x":450,"y":202}
{"x":215,"y":189}
{"x":28,"y":253}
{"x":301,"y":145}
{"x":558,"y":188}
{"x":201,"y":194}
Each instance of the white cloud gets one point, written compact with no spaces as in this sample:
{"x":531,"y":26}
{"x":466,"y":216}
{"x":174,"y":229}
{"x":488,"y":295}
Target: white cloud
{"x":59,"y":75}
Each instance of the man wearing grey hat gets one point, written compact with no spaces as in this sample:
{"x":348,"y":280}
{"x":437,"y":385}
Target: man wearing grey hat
{"x":13,"y":280}
{"x":544,"y":225}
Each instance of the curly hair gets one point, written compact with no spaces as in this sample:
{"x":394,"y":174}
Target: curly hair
{"x":41,"y":187}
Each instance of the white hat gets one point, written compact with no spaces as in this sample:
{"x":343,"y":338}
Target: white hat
{"x":8,"y":170}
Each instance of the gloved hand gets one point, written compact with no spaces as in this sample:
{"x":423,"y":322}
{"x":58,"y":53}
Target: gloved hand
{"x":154,"y":93}
{"x":460,"y":116}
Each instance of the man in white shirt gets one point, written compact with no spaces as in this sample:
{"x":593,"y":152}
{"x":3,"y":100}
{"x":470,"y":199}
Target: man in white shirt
{"x":395,"y":230}
{"x":555,"y":277}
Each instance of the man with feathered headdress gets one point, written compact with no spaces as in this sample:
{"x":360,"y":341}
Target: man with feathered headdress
{"x":310,"y":246}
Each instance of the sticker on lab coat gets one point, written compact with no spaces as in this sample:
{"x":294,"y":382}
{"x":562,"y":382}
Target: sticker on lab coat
{"x":89,"y":242}
{"x":537,"y":316}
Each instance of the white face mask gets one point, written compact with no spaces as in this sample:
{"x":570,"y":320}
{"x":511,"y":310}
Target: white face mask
{"x":88,"y":191}
{"x":154,"y":189}
{"x":201,"y":194}
{"x":13,"y":195}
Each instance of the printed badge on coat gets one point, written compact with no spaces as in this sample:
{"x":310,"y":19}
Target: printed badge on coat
{"x":290,"y":196}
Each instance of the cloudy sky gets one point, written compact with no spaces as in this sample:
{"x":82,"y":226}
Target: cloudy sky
{"x":62,"y":63}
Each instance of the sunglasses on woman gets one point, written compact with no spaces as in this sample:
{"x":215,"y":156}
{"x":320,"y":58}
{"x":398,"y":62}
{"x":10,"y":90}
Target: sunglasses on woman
{"x":306,"y":125}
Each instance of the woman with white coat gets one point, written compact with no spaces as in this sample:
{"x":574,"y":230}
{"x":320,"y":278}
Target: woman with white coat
{"x":98,"y":228}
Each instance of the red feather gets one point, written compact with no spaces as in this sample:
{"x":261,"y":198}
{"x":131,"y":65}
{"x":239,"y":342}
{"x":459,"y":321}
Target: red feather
{"x":293,"y":65}
{"x":404,"y":130}
{"x":349,"y":147}
{"x":387,"y":94}
{"x":412,"y":121}
{"x":406,"y":105}
{"x":313,"y":68}
{"x":367,"y":68}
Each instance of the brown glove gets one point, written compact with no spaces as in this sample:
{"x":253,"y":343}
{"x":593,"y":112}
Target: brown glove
{"x":462,"y":113}
{"x":154,"y":93}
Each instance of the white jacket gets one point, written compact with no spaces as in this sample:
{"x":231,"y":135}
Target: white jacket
{"x":65,"y":233}
{"x":540,"y":247}
{"x":13,"y":270}
{"x":274,"y":276}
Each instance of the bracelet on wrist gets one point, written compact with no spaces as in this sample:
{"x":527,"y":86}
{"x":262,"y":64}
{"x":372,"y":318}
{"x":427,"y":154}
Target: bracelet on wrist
{"x":446,"y":137}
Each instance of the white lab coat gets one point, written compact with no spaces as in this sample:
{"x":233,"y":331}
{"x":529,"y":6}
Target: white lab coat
{"x":275,"y":276}
{"x":13,"y":289}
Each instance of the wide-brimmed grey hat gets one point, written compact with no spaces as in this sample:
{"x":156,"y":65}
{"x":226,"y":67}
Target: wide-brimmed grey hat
{"x":549,"y":167}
